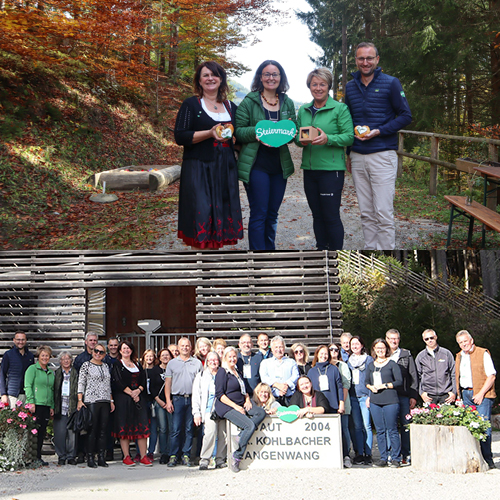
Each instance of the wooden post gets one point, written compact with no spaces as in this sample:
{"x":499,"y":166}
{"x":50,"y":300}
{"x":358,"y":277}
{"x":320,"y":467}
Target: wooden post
{"x":434,"y":167}
{"x":493,"y":201}
{"x":401,"y":149}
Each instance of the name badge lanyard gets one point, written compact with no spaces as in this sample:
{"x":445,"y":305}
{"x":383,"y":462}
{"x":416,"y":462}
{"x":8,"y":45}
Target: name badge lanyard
{"x":323,"y":380}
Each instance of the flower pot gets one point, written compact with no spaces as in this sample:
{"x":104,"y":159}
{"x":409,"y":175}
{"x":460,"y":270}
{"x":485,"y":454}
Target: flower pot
{"x":443,"y":448}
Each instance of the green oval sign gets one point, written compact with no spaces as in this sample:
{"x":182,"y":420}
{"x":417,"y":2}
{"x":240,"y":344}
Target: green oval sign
{"x":288,"y":414}
{"x":275,"y":134}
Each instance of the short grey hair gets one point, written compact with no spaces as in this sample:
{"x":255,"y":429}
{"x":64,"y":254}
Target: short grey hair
{"x":278,"y":338}
{"x":64,"y":354}
{"x":463,"y":332}
{"x":323,"y":74}
{"x":393,"y":331}
{"x":91,"y":334}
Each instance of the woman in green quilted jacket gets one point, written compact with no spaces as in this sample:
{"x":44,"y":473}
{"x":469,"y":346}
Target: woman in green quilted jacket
{"x":323,"y":159}
{"x":264,"y":169}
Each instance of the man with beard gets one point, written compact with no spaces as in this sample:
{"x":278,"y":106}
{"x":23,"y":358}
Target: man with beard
{"x":376,"y":101}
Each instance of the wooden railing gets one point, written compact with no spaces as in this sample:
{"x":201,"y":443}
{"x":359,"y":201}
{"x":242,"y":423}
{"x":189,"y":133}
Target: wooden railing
{"x":434,"y":160}
{"x":354,"y":263}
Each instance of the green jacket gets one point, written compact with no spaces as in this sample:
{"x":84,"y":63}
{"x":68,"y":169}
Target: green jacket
{"x":336,"y":122}
{"x":248,"y":114}
{"x":39,"y":385}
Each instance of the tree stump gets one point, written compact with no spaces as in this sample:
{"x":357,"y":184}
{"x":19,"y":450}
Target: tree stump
{"x":443,"y":448}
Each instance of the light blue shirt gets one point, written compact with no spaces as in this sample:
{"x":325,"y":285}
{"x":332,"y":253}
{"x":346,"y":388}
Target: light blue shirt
{"x":284,"y":370}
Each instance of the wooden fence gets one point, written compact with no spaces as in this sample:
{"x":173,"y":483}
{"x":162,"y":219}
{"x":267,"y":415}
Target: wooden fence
{"x":293,"y":294}
{"x":434,"y":160}
{"x":354,"y":263}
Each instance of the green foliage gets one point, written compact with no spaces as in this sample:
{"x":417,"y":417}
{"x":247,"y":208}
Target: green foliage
{"x":10,"y":128}
{"x":370,"y":309}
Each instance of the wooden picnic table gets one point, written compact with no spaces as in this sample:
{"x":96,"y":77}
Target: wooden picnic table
{"x":491,"y":175}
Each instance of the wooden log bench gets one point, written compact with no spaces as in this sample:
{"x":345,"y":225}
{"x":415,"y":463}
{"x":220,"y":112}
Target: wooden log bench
{"x":152,"y":177}
{"x":486,"y":216}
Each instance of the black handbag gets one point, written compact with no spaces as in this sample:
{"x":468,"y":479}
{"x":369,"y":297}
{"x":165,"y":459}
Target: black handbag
{"x":80,"y":422}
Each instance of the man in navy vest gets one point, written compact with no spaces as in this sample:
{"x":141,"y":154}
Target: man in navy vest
{"x":14,"y":365}
{"x":377,"y":101}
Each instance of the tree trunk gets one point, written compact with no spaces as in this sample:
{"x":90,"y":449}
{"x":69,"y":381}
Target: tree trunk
{"x":490,"y":266}
{"x":469,"y":108}
{"x":344,"y":54}
{"x":173,"y":49}
{"x":495,"y":66}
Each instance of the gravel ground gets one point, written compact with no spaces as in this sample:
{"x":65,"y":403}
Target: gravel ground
{"x":295,"y":231}
{"x":160,"y":482}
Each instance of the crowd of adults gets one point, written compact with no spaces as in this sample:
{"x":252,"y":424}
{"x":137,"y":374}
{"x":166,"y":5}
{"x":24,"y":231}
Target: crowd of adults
{"x":222,"y":145}
{"x":166,"y":399}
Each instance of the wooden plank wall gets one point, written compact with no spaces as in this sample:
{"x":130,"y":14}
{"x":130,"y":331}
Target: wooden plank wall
{"x":294,"y":294}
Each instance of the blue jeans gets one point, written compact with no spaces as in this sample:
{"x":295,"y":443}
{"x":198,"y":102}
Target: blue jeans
{"x":265,"y":193}
{"x":484,"y":409}
{"x":164,"y":419}
{"x":153,"y":437}
{"x":385,"y":419}
{"x":248,"y":424}
{"x":404,"y":428}
{"x":346,"y":436}
{"x":182,"y":417}
{"x":323,"y":190}
{"x":363,"y":434}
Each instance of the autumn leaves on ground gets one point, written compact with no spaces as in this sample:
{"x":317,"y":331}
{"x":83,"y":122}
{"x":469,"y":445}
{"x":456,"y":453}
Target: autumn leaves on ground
{"x":58,"y":130}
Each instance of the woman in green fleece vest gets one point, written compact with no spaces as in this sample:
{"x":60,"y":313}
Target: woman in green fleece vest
{"x":264,"y":169}
{"x":323,"y":159}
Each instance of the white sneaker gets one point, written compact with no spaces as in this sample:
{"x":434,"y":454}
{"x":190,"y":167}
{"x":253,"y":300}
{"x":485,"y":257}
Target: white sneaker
{"x":347,"y":462}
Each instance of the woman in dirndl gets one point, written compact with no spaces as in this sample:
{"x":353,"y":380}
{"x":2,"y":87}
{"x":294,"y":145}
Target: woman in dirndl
{"x":209,"y":200}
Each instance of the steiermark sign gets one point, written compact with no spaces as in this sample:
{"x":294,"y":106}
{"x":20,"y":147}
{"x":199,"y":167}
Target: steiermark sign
{"x":275,"y":134}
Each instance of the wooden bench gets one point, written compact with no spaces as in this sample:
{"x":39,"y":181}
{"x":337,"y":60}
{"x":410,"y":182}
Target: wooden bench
{"x":486,"y":216}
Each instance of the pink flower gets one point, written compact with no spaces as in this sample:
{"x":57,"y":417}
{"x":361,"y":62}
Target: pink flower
{"x":22,"y":415}
{"x":9,"y":420}
{"x":34,"y":419}
{"x":439,"y":415}
{"x":473,"y":408}
{"x":2,"y":404}
{"x":34,"y":431}
{"x":23,"y":426}
{"x":19,"y":403}
{"x":28,"y":406}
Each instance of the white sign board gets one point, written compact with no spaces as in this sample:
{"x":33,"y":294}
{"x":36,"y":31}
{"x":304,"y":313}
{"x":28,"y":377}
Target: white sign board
{"x":304,"y":443}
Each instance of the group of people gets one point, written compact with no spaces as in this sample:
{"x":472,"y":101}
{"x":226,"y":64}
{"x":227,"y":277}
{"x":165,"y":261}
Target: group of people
{"x":215,"y":158}
{"x":168,"y":397}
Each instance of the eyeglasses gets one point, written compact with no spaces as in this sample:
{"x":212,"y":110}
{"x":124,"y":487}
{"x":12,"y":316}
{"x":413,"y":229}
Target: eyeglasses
{"x":429,"y":338}
{"x":299,"y":351}
{"x":367,"y":59}
{"x":98,"y":351}
{"x":270,"y":75}
{"x":334,"y":349}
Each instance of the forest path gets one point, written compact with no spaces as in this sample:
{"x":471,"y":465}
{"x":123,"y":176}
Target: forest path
{"x":295,"y":223}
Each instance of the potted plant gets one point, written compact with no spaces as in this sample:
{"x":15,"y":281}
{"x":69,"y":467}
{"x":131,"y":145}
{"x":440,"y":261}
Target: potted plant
{"x":446,"y":438}
{"x":18,"y":430}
